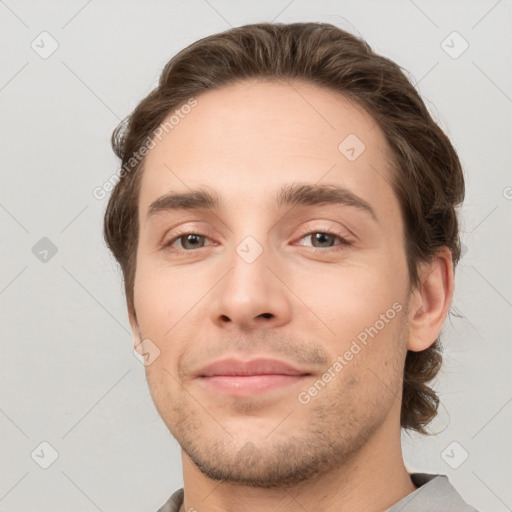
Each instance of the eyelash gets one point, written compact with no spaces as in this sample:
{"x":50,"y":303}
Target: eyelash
{"x":338,"y":247}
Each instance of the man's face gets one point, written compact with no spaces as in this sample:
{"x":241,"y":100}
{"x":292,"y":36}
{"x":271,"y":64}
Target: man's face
{"x":304,"y":283}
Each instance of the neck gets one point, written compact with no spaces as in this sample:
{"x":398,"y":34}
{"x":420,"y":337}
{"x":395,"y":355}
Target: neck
{"x":373,"y":480}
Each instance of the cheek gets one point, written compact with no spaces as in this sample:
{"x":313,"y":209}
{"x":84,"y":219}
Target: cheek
{"x":167,"y":301}
{"x":163,"y":296}
{"x":347,"y":300}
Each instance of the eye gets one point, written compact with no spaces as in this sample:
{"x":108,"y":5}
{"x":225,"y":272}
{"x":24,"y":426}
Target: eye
{"x":321,"y":240}
{"x":325,"y":240}
{"x":188,"y":242}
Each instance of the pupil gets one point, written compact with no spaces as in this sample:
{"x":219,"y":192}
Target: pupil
{"x":322,"y":238}
{"x":191,"y":238}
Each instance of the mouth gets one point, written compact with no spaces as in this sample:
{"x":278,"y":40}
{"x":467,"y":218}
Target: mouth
{"x":237,"y":385}
{"x":245,"y":378}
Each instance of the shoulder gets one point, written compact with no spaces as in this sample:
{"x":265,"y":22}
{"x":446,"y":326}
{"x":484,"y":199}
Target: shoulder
{"x":174,"y":503}
{"x":434,"y":492}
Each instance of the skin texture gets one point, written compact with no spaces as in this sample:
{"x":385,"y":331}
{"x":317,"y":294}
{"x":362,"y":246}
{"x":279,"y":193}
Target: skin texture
{"x":341,"y":450}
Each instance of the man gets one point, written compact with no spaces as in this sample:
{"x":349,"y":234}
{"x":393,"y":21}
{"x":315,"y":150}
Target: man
{"x":285,"y":222}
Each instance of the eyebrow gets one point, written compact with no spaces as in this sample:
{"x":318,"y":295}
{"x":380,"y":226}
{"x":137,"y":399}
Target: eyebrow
{"x":289,"y":195}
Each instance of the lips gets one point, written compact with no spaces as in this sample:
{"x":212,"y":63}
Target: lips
{"x":246,"y":378}
{"x":236,"y":367}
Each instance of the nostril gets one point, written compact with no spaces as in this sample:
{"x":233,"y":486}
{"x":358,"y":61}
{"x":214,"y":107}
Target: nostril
{"x":267,"y":315}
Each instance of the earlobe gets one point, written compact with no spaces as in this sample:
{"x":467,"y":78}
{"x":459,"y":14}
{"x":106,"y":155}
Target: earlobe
{"x":135,"y":328}
{"x":430,"y":302}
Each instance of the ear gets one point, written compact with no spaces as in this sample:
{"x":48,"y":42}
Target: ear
{"x":430,"y":302}
{"x":137,"y":339}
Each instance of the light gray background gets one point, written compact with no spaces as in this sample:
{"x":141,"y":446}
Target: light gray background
{"x":68,"y":374}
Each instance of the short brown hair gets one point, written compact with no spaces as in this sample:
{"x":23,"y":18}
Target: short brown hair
{"x":427,"y":177}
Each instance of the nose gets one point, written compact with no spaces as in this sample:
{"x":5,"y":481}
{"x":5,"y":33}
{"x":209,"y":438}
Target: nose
{"x":252,"y":294}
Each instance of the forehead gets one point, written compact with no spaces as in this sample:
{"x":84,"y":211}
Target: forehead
{"x":248,"y":139}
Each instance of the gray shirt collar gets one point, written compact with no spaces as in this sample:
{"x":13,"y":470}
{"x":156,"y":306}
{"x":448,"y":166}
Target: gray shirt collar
{"x":434,"y":492}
